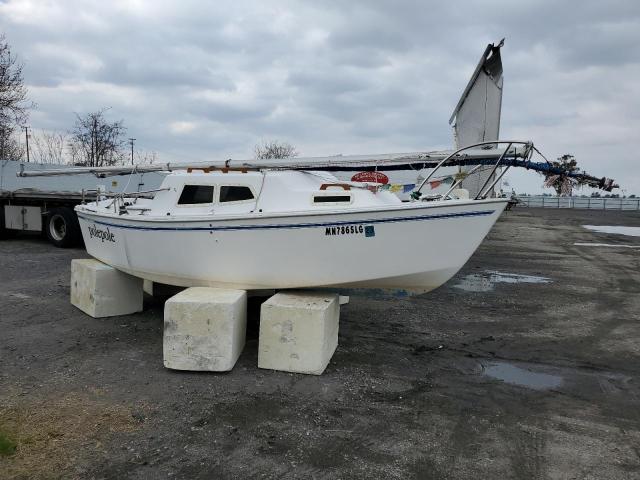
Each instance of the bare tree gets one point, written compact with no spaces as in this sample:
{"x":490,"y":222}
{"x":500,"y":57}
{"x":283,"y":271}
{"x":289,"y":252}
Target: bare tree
{"x":14,"y":106}
{"x":11,"y":148}
{"x":74,"y":152}
{"x":146,"y":158}
{"x":274,"y":149}
{"x":49,"y":147}
{"x":96,"y":142}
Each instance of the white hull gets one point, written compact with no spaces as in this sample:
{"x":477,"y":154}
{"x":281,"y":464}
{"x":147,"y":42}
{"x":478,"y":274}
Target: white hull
{"x":412,"y":247}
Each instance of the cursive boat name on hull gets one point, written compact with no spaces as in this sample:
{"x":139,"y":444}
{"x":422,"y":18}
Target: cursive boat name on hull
{"x":102,"y":235}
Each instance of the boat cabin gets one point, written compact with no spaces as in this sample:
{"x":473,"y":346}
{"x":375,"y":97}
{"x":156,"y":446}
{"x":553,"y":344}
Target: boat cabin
{"x":233,"y":193}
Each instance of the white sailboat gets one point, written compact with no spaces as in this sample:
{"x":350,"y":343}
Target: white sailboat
{"x":268,"y":227}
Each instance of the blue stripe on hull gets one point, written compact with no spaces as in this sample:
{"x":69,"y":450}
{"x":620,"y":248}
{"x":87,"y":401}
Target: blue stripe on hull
{"x":479,"y":213}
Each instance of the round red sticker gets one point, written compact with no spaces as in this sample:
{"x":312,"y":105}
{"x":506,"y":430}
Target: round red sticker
{"x":373,"y":177}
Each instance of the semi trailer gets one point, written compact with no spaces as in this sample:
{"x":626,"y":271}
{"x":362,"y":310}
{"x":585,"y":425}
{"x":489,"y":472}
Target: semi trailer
{"x":46,"y":204}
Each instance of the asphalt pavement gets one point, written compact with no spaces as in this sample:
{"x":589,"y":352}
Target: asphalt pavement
{"x":525,"y":365}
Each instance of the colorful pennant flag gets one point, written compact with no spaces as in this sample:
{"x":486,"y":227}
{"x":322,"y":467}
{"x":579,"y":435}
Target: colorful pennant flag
{"x":444,"y":180}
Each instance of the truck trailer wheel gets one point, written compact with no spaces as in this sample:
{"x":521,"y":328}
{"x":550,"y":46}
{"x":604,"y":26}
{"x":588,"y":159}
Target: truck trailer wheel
{"x":62,"y":227}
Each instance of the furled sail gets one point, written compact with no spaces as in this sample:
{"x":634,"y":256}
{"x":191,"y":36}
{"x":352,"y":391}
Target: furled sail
{"x":477,"y":114}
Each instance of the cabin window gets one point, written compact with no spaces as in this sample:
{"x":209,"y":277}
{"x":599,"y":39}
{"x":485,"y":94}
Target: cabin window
{"x":196,"y":194}
{"x":332,"y":198}
{"x":230,"y":193}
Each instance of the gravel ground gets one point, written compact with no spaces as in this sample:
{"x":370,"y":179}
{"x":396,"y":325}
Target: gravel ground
{"x":525,"y":365}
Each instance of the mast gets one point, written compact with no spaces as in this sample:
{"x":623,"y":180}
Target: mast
{"x":384,"y":162}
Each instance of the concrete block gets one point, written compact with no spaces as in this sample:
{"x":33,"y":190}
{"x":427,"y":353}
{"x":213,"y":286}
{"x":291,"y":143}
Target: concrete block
{"x":102,"y":291}
{"x":298,"y":331}
{"x":204,"y":329}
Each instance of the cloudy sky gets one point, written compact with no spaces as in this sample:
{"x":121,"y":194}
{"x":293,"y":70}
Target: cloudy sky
{"x":208,"y":80}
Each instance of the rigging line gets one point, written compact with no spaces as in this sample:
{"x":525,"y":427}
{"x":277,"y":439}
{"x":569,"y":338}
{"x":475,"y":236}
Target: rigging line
{"x":540,"y":153}
{"x":133,"y":170}
{"x":264,"y":175}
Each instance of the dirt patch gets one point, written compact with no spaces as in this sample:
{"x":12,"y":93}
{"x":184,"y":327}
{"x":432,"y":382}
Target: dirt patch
{"x":45,"y":438}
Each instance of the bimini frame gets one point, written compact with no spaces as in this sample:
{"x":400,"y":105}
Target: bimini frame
{"x":484,"y":191}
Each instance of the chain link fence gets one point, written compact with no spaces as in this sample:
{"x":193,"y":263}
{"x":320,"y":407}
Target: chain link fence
{"x":593,"y":203}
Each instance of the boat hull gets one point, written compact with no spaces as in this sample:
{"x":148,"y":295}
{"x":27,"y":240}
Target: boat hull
{"x":413,"y":249}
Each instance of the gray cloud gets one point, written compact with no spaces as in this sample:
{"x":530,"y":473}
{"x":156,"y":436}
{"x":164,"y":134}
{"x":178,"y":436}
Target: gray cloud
{"x":210,"y":79}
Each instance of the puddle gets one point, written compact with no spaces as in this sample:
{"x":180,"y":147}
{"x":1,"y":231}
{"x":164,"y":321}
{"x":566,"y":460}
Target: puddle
{"x":509,"y":373}
{"x":630,"y":231}
{"x":485,"y":282}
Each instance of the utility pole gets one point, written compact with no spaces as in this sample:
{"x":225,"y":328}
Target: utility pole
{"x":94,"y":160}
{"x":131,"y":140}
{"x":26,"y":137}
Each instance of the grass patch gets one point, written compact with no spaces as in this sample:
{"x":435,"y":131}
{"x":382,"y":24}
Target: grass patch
{"x":48,"y":438}
{"x":7,"y":446}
